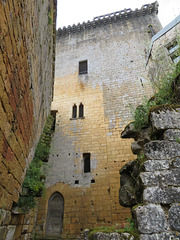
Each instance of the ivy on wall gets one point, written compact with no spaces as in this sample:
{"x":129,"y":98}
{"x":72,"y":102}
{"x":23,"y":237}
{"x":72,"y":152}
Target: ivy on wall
{"x":33,"y":185}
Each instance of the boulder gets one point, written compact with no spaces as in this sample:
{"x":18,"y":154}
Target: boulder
{"x":127,"y":197}
{"x":130,"y":192}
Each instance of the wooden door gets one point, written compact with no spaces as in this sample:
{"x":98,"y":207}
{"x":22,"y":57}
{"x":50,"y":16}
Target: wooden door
{"x":54,"y":224}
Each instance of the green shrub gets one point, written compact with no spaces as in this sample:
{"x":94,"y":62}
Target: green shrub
{"x":164,"y":95}
{"x":33,"y":185}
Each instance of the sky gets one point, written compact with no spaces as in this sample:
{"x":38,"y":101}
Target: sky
{"x":74,"y":11}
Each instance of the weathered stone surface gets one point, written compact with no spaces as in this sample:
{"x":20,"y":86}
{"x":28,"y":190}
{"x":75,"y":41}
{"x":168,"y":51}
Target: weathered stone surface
{"x":150,"y":218}
{"x":165,"y":119}
{"x":174,"y":217}
{"x":127,"y":168}
{"x":112,"y":236}
{"x":135,"y":147}
{"x":129,"y":131}
{"x":172,"y":135}
{"x":3,"y":231}
{"x":165,"y":177}
{"x":176,"y":162}
{"x":130,"y":192}
{"x":154,"y":165}
{"x":142,"y":136}
{"x":158,"y":236}
{"x":26,"y":236}
{"x":10,"y":232}
{"x":127,"y":196}
{"x":162,"y":195}
{"x":162,"y":150}
{"x":5,"y":217}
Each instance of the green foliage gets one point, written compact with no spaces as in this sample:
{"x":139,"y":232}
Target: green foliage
{"x":33,"y":185}
{"x":141,"y":157}
{"x":141,"y":114}
{"x":164,"y":95}
{"x":50,"y":16}
{"x":128,"y":227}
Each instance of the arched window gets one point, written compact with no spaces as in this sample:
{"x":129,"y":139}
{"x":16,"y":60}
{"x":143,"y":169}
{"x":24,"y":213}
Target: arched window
{"x":74,"y":111}
{"x":54,"y":223}
{"x":81,"y":110}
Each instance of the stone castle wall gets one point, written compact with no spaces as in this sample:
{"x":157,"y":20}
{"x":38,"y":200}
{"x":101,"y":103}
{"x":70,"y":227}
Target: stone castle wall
{"x":157,"y":216}
{"x":26,"y":89}
{"x":116,"y":55}
{"x":160,"y":60}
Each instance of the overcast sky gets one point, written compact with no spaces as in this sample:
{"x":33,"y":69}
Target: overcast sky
{"x":74,"y":11}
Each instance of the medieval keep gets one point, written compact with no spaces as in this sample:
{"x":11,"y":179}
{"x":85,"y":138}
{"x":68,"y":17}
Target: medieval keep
{"x":100,"y":76}
{"x":103,"y":70}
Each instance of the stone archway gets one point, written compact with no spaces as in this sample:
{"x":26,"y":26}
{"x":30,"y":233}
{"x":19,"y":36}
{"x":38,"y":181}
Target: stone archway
{"x":54,"y":223}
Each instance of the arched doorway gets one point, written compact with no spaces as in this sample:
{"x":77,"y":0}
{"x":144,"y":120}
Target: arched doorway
{"x":54,"y":223}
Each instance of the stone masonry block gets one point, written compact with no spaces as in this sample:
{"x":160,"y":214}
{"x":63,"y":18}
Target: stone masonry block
{"x":5,"y":217}
{"x":112,"y":236}
{"x":155,"y":165}
{"x":172,"y":135}
{"x":176,"y":162}
{"x":151,"y":219}
{"x":159,"y":236}
{"x":174,"y":217}
{"x":3,"y":231}
{"x":165,"y":119}
{"x":162,"y":150}
{"x":164,"y":178}
{"x":164,"y":195}
{"x":10,"y":232}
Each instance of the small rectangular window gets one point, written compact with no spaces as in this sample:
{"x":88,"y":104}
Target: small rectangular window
{"x":87,"y":162}
{"x":83,"y":67}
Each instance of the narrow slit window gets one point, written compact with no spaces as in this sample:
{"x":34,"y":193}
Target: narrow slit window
{"x":87,"y":162}
{"x":74,"y":111}
{"x":83,"y":67}
{"x":53,"y":114}
{"x":81,"y":110}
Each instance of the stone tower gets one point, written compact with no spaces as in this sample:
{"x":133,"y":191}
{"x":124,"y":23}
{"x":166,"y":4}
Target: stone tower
{"x":100,"y":71}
